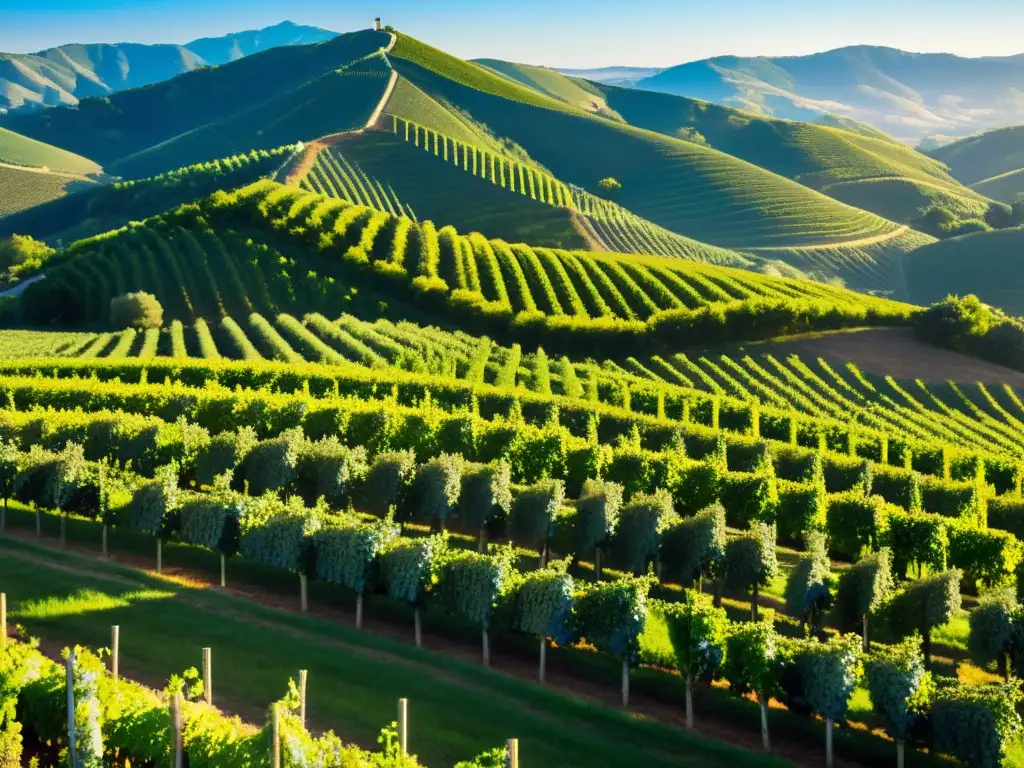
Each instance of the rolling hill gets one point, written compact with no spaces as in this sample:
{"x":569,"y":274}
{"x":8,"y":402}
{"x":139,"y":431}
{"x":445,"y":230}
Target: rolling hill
{"x":909,"y":95}
{"x":68,"y":73}
{"x":992,"y":163}
{"x":33,"y":173}
{"x":686,"y":188}
{"x":988,"y":264}
{"x":216,"y":112}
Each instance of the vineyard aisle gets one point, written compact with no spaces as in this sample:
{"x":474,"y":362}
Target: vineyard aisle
{"x":355,"y":677}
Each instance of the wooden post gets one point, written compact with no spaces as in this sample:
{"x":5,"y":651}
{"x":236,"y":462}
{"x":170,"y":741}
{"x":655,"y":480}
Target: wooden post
{"x":3,"y":518}
{"x":625,"y":682}
{"x":159,"y":555}
{"x":104,"y":540}
{"x":359,"y":610}
{"x":72,"y":739}
{"x":753,"y":605}
{"x":276,"y":743}
{"x":828,"y":742}
{"x":689,"y":702}
{"x":597,"y":564}
{"x":115,"y":652}
{"x":864,"y":631}
{"x":64,"y":530}
{"x":543,"y":659}
{"x":303,"y":593}
{"x":223,"y":570}
{"x":3,"y":621}
{"x":403,"y":726}
{"x":765,"y":741}
{"x":487,"y":647}
{"x":481,"y":543}
{"x":208,"y":675}
{"x":303,"y":676}
{"x":512,"y":753}
{"x":39,"y":522}
{"x":417,"y":618}
{"x":176,"y":730}
{"x":899,"y":753}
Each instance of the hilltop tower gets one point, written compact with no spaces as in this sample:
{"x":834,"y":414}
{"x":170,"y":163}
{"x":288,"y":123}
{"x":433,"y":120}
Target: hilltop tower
{"x":376,"y":24}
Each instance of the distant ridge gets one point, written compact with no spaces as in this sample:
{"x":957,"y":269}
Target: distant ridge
{"x":68,"y":73}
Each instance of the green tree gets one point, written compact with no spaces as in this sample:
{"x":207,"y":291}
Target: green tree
{"x":610,"y":186}
{"x":924,"y":604}
{"x":808,"y":589}
{"x":900,"y":687}
{"x":863,"y":588}
{"x":698,"y":630}
{"x":750,"y":561}
{"x":136,"y":310}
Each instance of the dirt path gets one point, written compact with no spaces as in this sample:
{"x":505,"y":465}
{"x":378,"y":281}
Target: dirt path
{"x":586,"y":230}
{"x":511,"y":661}
{"x":47,"y":172}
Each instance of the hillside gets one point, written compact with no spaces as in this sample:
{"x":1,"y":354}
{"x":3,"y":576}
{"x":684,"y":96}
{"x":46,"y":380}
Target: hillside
{"x":909,"y":95}
{"x":69,"y":73}
{"x":23,"y":151}
{"x":33,"y":173}
{"x":991,"y":162}
{"x":986,"y":263}
{"x":215,"y":112}
{"x":692,"y":190}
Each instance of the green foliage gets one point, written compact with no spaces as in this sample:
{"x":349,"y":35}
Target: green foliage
{"x":863,"y":588}
{"x":211,"y":520}
{"x":21,"y":256}
{"x":995,"y":628}
{"x":976,"y":723}
{"x":543,"y":603}
{"x":271,"y":464}
{"x":612,"y":615}
{"x":751,"y":658}
{"x":387,"y":480}
{"x":471,"y":585}
{"x":347,"y":550}
{"x":153,"y":503}
{"x":916,"y":538}
{"x":224,"y":453}
{"x":597,"y":514}
{"x":808,"y":594}
{"x":984,"y":555}
{"x":278,"y":533}
{"x":437,"y":486}
{"x":899,"y":685}
{"x":486,"y":493}
{"x":330,"y":470}
{"x":922,"y":605}
{"x":136,"y":310}
{"x":695,"y":545}
{"x":698,"y":631}
{"x":534,"y":510}
{"x":801,"y":507}
{"x":409,"y":567}
{"x":822,"y":676}
{"x":855,"y":523}
{"x":748,"y":497}
{"x":638,"y":534}
{"x":750,"y":558}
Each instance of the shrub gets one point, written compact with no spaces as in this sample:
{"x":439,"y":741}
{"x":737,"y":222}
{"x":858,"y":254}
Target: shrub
{"x":995,"y":631}
{"x":347,"y":550}
{"x":638,"y":534}
{"x":854,"y":523}
{"x":697,"y":630}
{"x":748,"y":497}
{"x":808,"y":594}
{"x":534,"y":509}
{"x":211,"y":520}
{"x":437,"y":486}
{"x":330,"y":470}
{"x":386,"y":481}
{"x":152,"y":504}
{"x":224,"y":453}
{"x":862,"y":589}
{"x":409,"y":566}
{"x":278,"y":533}
{"x":750,"y":560}
{"x":900,"y":687}
{"x":486,"y":493}
{"x":611,"y":615}
{"x":922,"y":605}
{"x":820,"y":677}
{"x":543,"y":604}
{"x":271,"y":464}
{"x":800,"y":508}
{"x":916,"y":537}
{"x":597,"y":513}
{"x":469,"y":585}
{"x":694,"y":546}
{"x":136,"y":310}
{"x":976,"y":723}
{"x":989,"y":556}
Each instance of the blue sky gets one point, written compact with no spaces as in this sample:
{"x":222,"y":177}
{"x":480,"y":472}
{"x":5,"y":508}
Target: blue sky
{"x":566,"y":33}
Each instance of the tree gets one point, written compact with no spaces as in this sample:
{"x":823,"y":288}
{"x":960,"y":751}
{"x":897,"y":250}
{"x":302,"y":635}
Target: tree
{"x":808,"y":593}
{"x":695,"y":547}
{"x":611,"y":615}
{"x":976,"y":723}
{"x":409,"y":567}
{"x":543,"y":607}
{"x":922,"y":605}
{"x":470,"y":586}
{"x":347,"y":550}
{"x":609,"y":185}
{"x":751,"y":665}
{"x":697,"y":629}
{"x":996,"y":631}
{"x":956,"y":322}
{"x":900,"y":688}
{"x":750,"y":561}
{"x":136,"y":310}
{"x":638,"y":533}
{"x":863,"y":587}
{"x":597,"y":513}
{"x":486,"y":496}
{"x":821,"y":677}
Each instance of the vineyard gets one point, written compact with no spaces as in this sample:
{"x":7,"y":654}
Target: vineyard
{"x":22,"y":188}
{"x":552,"y":291}
{"x":20,"y":150}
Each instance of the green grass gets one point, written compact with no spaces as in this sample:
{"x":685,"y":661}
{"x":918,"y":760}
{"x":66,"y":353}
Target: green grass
{"x":985,"y":155}
{"x":456,"y":708}
{"x":575,"y":92}
{"x":1007,"y":187}
{"x":23,"y":189}
{"x":21,"y":150}
{"x":905,"y":199}
{"x":411,"y":103}
{"x":987,"y":264}
{"x":436,"y":190}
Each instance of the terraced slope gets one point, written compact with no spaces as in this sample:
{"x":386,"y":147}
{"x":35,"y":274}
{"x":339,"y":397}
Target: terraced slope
{"x":227,"y":259}
{"x":986,"y":263}
{"x":21,"y":150}
{"x":269,"y":91}
{"x":686,"y":188}
{"x":100,"y":208}
{"x":23,"y":188}
{"x":985,"y":155}
{"x":573,"y":91}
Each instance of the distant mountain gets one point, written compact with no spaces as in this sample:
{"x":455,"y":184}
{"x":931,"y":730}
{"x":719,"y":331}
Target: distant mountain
{"x":63,"y":75}
{"x":909,"y":95}
{"x":991,"y":162}
{"x":613,"y":75}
